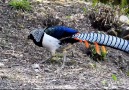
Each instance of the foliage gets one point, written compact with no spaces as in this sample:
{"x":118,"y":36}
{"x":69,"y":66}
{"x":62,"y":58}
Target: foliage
{"x":128,"y":73}
{"x":114,"y":77}
{"x":94,"y":2}
{"x":68,"y":17}
{"x":93,"y":65}
{"x":104,"y":17}
{"x":20,"y":4}
{"x":123,"y":4}
{"x":85,"y":10}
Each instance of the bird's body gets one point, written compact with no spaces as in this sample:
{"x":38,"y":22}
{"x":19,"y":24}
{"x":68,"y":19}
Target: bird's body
{"x":60,"y":31}
{"x":53,"y":37}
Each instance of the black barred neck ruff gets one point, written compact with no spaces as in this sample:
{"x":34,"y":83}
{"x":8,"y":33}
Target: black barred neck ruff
{"x":37,"y":36}
{"x":39,"y":43}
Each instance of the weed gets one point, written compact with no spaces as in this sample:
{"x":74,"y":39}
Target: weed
{"x":20,"y":4}
{"x":104,"y":82}
{"x":128,"y":73}
{"x":84,"y":10}
{"x":114,"y":77}
{"x":93,"y":65}
{"x":123,"y":3}
{"x":68,"y":17}
{"x":94,"y":3}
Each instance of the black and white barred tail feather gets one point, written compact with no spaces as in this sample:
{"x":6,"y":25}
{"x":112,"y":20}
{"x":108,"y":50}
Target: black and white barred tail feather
{"x":104,"y":39}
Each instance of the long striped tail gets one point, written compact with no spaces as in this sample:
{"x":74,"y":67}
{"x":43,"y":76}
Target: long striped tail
{"x":104,"y":39}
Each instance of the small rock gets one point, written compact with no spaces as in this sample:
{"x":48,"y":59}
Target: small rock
{"x":36,"y":70}
{"x":39,"y":0}
{"x":5,"y":60}
{"x":35,"y":66}
{"x":123,"y":19}
{"x":1,"y":65}
{"x":105,"y":87}
{"x":114,"y":87}
{"x":47,"y":70}
{"x":56,"y":82}
{"x":4,"y":77}
{"x":125,"y":27}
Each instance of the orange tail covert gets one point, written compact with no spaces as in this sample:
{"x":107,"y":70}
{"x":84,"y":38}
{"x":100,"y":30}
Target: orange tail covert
{"x":104,"y":49}
{"x":97,"y":48}
{"x":86,"y":44}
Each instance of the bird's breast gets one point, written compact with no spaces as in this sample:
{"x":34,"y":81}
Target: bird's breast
{"x":50,"y":42}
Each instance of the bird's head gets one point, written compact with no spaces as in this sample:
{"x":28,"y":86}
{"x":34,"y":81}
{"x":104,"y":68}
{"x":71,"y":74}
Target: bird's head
{"x":30,"y":36}
{"x":36,"y":36}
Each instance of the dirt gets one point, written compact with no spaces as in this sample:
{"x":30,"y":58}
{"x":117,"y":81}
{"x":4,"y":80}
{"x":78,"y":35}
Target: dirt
{"x":18,"y":59}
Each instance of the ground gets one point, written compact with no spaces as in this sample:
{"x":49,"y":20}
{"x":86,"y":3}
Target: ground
{"x":18,"y":58}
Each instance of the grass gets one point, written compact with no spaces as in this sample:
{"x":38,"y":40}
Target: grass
{"x":94,"y":3}
{"x":123,"y":3}
{"x":68,"y":17}
{"x":128,"y":73}
{"x":84,"y":10}
{"x":20,"y":4}
{"x":114,"y":77}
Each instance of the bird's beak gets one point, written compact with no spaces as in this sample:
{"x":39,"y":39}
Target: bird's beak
{"x":28,"y":37}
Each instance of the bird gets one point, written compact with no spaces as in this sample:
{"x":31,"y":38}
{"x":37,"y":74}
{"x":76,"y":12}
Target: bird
{"x":52,"y":38}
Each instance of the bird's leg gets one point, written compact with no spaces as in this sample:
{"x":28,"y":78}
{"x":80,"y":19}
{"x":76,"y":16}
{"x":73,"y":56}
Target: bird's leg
{"x":47,"y":60}
{"x":50,"y":58}
{"x":64,"y":55}
{"x":68,"y":47}
{"x":55,"y":56}
{"x":64,"y":58}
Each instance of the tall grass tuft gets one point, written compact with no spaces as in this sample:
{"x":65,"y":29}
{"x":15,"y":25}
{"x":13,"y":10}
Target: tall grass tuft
{"x":20,"y":4}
